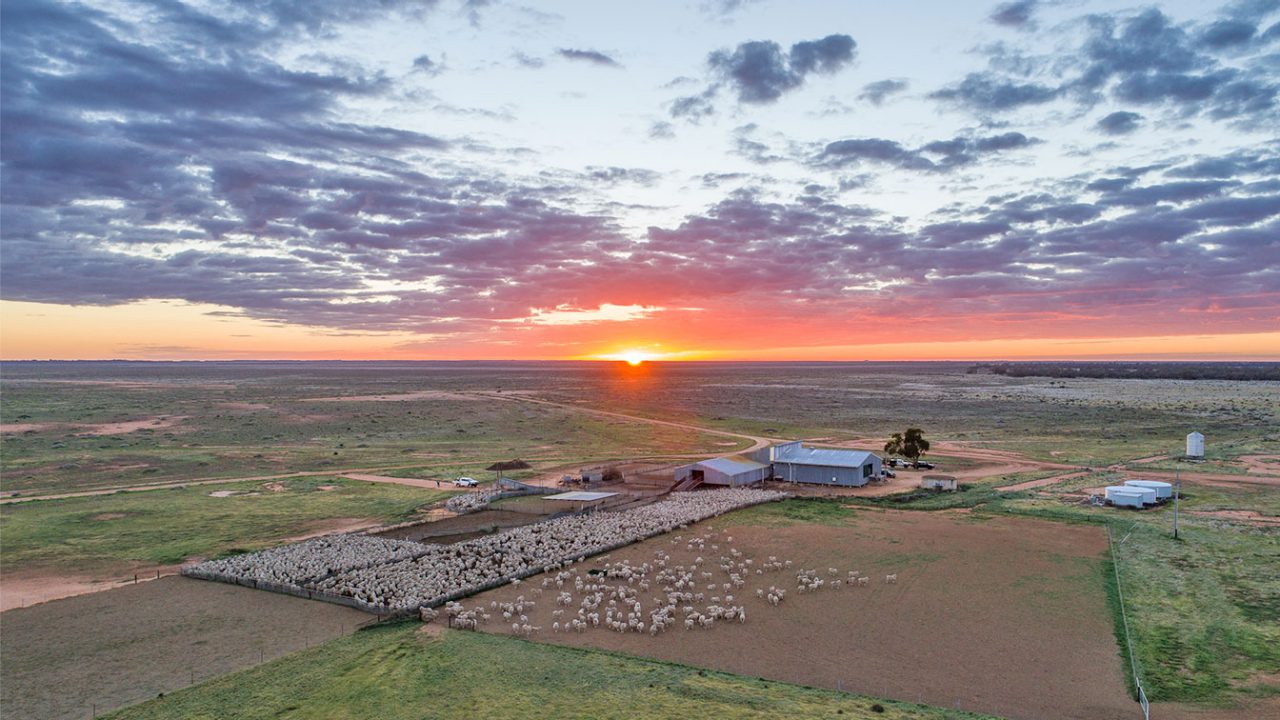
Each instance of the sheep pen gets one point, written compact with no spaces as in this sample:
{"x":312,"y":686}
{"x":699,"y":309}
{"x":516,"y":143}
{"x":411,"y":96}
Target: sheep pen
{"x":1005,"y":616}
{"x":398,"y":577}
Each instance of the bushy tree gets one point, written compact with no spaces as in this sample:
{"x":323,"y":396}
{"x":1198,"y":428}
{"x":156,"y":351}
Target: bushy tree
{"x":910,"y":444}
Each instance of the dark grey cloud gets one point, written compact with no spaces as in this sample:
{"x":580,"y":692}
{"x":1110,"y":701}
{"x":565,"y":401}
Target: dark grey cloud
{"x":987,"y":92}
{"x":759,"y":72}
{"x":1227,"y":33}
{"x":876,"y":92}
{"x":1014,"y":14}
{"x":1143,"y":58}
{"x":936,"y":156}
{"x":594,"y":57}
{"x":1119,"y":123}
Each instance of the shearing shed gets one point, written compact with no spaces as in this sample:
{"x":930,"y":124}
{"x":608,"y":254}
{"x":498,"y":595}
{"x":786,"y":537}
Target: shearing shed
{"x":733,"y":471}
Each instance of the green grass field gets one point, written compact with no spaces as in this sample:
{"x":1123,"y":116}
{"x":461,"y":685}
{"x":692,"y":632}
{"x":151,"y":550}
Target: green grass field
{"x":106,"y":533}
{"x":394,"y":673}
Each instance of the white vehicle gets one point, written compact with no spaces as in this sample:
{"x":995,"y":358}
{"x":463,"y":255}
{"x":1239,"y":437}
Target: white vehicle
{"x":465,"y":482}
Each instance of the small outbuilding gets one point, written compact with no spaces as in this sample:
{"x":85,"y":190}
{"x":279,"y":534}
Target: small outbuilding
{"x":733,"y":471}
{"x":580,"y":500}
{"x":1195,"y":445}
{"x":1130,"y":496}
{"x":938,"y":482}
{"x":1163,"y":490}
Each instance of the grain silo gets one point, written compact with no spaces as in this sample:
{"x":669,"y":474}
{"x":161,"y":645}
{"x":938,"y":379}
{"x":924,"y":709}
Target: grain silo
{"x":1164,"y":490}
{"x":1195,"y":445}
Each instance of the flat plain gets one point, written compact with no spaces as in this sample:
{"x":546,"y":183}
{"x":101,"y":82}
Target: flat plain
{"x":191,"y":461}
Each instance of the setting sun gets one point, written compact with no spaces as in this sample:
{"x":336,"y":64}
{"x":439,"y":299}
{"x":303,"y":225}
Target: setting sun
{"x":634,"y":357}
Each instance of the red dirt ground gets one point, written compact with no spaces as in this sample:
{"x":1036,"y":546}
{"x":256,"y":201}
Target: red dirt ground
{"x":1004,"y":615}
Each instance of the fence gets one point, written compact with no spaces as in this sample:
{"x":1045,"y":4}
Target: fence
{"x":1124,"y":623}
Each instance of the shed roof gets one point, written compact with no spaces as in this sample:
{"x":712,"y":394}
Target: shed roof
{"x":580,"y":496}
{"x":831,"y":457}
{"x":732,"y":465}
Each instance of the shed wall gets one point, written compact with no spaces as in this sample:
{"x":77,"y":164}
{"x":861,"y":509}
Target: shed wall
{"x":825,"y":475}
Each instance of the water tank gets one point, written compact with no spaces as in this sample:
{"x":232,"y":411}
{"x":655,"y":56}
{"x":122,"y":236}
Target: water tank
{"x":1195,"y":445}
{"x":1128,"y":496}
{"x":1164,"y":490}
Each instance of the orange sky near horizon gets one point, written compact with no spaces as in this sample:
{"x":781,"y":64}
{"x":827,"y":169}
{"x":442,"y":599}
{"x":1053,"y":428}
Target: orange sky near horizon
{"x":159,"y":330}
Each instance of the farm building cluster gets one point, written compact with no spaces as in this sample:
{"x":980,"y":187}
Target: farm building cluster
{"x":787,"y":462}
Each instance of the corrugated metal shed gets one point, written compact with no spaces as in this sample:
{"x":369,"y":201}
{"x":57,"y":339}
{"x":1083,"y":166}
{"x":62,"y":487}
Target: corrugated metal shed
{"x":734,"y":470}
{"x":732,"y":465}
{"x":797,"y":454}
{"x":793,"y":462}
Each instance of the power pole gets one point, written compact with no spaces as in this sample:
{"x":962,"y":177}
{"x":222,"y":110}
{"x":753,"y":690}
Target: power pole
{"x":1177,"y":495}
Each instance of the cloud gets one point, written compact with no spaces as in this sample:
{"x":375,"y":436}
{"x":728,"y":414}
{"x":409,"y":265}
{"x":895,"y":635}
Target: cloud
{"x":1143,"y":58}
{"x":760,"y":72}
{"x":936,"y":156}
{"x":474,"y":8}
{"x":1119,"y":123}
{"x":528,"y":61}
{"x":593,"y":57}
{"x":1226,"y":33}
{"x":1014,"y":14}
{"x":662,"y":130}
{"x":876,"y":92}
{"x":424,"y":64}
{"x":724,"y":8}
{"x":989,"y":92}
{"x":194,"y":165}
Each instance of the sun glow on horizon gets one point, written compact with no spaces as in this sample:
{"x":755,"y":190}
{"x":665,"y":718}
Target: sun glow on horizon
{"x":634,"y":357}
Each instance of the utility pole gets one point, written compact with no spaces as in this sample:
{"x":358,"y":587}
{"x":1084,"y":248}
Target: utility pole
{"x":1177,"y":495}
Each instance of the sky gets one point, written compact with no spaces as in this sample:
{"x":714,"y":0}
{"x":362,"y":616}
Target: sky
{"x":712,"y":179}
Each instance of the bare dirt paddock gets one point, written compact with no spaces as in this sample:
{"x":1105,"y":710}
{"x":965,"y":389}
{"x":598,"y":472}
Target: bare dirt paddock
{"x":66,"y":658}
{"x":1005,"y":616}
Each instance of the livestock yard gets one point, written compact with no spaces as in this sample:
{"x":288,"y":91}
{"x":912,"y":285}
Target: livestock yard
{"x":1000,"y":599}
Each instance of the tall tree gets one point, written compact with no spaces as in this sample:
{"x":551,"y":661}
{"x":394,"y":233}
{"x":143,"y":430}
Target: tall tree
{"x":910,"y":444}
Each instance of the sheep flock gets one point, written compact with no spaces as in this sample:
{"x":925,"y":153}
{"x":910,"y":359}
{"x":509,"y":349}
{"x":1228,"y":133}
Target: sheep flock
{"x":699,"y":582}
{"x":388,"y":576}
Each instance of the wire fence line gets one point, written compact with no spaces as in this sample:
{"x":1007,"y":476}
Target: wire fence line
{"x":1124,"y":621}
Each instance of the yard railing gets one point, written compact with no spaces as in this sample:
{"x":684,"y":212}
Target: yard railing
{"x":1124,"y":623}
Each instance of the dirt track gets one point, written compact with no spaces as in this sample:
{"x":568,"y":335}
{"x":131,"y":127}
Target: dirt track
{"x":1005,"y":616}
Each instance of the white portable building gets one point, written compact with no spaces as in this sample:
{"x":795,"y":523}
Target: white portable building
{"x":938,"y":482}
{"x":1195,"y":444}
{"x":1164,"y":490}
{"x":1129,"y":496}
